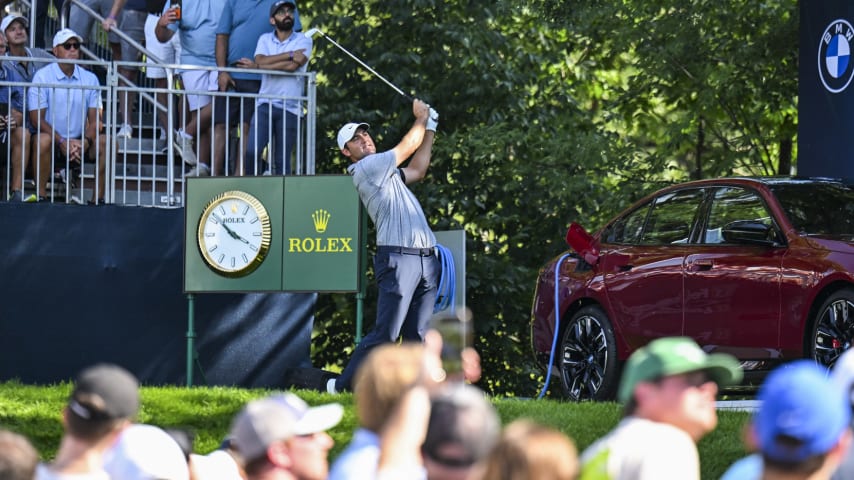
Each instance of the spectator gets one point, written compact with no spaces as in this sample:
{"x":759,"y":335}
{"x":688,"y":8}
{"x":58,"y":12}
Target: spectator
{"x":386,"y":374}
{"x":668,"y":388}
{"x":802,"y":426}
{"x":104,"y":400}
{"x":238,"y":33}
{"x":281,"y":437}
{"x":168,"y":53}
{"x":131,"y":21}
{"x":462,"y":431}
{"x":13,"y":133}
{"x":145,"y":452}
{"x":68,"y":120}
{"x":82,"y":23}
{"x":817,"y":411}
{"x":528,"y":451}
{"x":42,"y":35}
{"x":843,"y":375}
{"x":15,"y":29}
{"x":18,"y":458}
{"x":283,"y":49}
{"x":405,"y":264}
{"x":198,"y":21}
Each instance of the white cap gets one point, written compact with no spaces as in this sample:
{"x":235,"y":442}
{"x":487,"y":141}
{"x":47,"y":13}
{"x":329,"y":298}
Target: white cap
{"x":279,"y":417}
{"x":347,"y":133}
{"x":65,"y":35}
{"x":217,"y":465}
{"x":144,"y":452}
{"x":8,"y":19}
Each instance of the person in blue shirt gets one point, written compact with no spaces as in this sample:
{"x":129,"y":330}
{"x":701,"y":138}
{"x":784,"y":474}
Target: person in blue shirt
{"x":241,"y":24}
{"x":14,"y":137}
{"x":67,"y":120}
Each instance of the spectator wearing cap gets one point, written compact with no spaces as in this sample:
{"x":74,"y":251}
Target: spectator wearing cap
{"x":67,"y":120}
{"x":462,"y":431}
{"x":14,"y":136}
{"x":752,"y":466}
{"x":668,"y":388}
{"x":15,"y":28}
{"x":281,"y":437}
{"x":18,"y":458}
{"x":103,"y":402}
{"x":284,"y":50}
{"x":528,"y":450}
{"x":237,"y":40}
{"x":802,"y":428}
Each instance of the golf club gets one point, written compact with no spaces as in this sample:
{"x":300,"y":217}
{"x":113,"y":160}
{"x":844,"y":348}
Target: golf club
{"x":313,"y":32}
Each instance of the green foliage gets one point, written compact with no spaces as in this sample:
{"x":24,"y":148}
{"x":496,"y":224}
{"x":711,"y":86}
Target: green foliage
{"x":35,"y":411}
{"x":547,"y":122}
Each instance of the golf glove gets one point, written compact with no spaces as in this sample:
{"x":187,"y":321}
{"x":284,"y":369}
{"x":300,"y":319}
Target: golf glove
{"x":433,"y":120}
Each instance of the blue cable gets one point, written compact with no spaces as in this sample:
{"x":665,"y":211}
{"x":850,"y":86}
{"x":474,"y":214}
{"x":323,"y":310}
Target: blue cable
{"x":447,"y":280}
{"x":557,"y":324}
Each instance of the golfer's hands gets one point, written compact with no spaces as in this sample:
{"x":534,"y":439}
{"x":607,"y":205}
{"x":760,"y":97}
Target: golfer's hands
{"x":420,"y":109}
{"x":433,"y":120}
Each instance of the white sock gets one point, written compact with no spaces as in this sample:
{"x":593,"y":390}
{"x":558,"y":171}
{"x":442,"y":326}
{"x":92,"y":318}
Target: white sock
{"x":183,"y":134}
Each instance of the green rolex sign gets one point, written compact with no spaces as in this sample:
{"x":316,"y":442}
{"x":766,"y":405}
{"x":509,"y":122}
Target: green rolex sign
{"x":265,"y":234}
{"x":321,"y":229}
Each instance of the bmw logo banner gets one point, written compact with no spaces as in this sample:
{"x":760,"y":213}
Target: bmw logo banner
{"x":826,"y":90}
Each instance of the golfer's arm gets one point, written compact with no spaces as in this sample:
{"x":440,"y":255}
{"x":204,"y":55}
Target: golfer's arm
{"x":417,"y":168}
{"x":411,"y":141}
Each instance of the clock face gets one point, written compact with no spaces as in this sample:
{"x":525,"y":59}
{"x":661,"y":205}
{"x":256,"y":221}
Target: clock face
{"x":234,"y":234}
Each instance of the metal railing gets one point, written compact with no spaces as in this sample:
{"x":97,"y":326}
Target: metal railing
{"x":145,"y":170}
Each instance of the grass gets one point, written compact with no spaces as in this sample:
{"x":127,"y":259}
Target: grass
{"x":34,"y":411}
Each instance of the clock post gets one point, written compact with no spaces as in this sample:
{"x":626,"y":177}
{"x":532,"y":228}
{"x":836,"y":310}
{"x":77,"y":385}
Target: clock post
{"x":269,"y":234}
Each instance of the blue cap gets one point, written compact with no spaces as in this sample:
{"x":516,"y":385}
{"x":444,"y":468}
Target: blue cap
{"x":801,"y":402}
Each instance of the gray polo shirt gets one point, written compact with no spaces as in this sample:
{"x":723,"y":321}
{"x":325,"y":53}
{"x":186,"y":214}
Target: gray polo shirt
{"x":394,"y":209}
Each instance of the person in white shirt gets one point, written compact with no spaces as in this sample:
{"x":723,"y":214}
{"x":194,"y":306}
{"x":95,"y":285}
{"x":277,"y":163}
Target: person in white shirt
{"x":668,"y":389}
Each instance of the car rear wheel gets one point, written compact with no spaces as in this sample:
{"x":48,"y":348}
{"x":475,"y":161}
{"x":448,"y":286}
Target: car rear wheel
{"x":833,"y":327}
{"x":588,"y":364}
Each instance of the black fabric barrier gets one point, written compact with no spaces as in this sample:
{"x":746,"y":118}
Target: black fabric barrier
{"x":80,"y":285}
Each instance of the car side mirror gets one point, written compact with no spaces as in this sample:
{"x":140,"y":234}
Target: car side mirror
{"x":583,"y":243}
{"x":748,"y":232}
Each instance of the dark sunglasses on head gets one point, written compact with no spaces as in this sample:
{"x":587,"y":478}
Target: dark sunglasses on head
{"x":71,"y":45}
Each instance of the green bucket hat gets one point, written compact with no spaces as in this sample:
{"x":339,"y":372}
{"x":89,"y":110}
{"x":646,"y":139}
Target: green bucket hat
{"x":673,"y":356}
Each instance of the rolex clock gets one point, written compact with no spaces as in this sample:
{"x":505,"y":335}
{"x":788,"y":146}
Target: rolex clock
{"x":234,"y":234}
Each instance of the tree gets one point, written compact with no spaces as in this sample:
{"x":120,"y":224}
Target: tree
{"x":546,"y":122}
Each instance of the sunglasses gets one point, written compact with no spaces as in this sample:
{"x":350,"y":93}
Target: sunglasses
{"x":71,"y":45}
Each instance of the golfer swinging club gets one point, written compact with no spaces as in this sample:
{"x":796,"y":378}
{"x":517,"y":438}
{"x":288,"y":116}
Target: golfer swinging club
{"x":406,"y":267}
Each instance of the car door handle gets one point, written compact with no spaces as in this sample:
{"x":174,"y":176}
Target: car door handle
{"x":701,"y":265}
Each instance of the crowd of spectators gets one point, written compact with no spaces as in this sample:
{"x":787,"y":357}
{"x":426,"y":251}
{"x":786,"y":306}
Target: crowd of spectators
{"x":216,"y":34}
{"x":415,"y":423}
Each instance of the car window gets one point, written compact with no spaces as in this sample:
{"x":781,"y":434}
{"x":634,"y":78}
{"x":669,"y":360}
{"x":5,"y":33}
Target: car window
{"x":627,"y":230}
{"x":818,"y":208}
{"x":671,"y":217}
{"x":733,"y":205}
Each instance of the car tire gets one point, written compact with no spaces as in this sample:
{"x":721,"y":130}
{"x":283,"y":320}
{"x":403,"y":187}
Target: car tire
{"x":588,"y":363}
{"x":832,"y":329}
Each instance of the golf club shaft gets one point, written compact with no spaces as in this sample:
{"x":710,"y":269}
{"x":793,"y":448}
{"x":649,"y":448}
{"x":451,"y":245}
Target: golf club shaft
{"x":363,"y":64}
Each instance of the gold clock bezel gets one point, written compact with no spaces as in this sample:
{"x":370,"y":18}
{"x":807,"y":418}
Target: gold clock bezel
{"x":266,"y":233}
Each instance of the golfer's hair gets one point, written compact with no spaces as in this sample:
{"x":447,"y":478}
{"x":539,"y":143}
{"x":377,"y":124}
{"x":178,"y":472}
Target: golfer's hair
{"x":530,"y":451}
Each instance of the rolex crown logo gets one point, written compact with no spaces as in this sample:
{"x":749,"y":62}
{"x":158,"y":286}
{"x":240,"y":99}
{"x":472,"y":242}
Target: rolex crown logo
{"x":233,"y":207}
{"x":321,"y":220}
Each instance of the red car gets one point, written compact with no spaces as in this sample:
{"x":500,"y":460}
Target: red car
{"x":761,"y":268}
